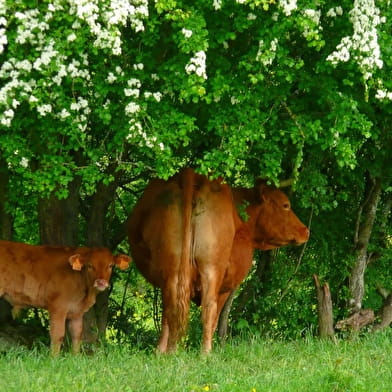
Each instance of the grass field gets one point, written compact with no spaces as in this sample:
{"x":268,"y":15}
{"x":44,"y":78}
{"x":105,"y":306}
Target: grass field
{"x":251,"y":365}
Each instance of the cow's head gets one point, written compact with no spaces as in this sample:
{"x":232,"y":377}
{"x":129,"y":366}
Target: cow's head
{"x":98,"y":264}
{"x":275,"y":223}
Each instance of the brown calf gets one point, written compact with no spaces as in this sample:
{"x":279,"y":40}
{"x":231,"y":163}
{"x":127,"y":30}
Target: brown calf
{"x":63,"y":280}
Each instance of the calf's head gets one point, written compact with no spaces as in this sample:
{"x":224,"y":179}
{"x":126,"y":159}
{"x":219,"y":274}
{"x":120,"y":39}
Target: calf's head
{"x":276,"y":224}
{"x":98,"y":264}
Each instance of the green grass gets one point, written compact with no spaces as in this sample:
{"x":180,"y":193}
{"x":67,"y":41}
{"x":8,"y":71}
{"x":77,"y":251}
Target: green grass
{"x":253,"y":365}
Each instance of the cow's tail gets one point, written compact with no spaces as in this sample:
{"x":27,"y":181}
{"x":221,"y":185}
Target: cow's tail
{"x":184,"y":272}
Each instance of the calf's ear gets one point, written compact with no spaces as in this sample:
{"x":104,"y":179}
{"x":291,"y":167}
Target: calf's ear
{"x":122,"y":261}
{"x":76,"y":262}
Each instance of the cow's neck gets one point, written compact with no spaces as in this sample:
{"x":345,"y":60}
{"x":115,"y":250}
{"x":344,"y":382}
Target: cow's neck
{"x":245,"y":200}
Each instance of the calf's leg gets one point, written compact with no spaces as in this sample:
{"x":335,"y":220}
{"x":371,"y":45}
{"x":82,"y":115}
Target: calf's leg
{"x":57,"y":331}
{"x":75,"y":327}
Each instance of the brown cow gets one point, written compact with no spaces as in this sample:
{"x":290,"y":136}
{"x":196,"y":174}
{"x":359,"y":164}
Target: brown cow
{"x":63,"y":280}
{"x":188,"y":239}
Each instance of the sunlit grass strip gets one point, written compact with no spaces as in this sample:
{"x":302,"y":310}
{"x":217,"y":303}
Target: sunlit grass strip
{"x":252,"y":365}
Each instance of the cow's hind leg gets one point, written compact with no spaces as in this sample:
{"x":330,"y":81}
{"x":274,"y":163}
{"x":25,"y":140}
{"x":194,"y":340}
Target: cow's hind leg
{"x":163,"y":339}
{"x":209,"y":307}
{"x":173,"y":321}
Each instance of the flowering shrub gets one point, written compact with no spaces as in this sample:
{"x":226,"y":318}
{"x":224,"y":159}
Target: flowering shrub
{"x":229,"y":86}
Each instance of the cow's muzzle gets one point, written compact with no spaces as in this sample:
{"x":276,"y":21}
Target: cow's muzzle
{"x":101,"y":284}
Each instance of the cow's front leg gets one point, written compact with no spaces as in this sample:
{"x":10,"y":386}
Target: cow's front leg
{"x":75,"y":327}
{"x":57,"y":331}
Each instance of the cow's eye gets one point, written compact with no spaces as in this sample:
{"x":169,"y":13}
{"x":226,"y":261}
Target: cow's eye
{"x":111,"y":266}
{"x":286,"y":206}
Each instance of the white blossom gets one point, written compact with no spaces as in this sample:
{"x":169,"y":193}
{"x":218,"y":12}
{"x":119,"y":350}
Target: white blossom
{"x":139,"y":66}
{"x":7,"y":117}
{"x":80,"y":104}
{"x":217,"y":4}
{"x":267,"y":55}
{"x":197,"y":65}
{"x":157,"y":96}
{"x":313,"y":15}
{"x":6,"y":121}
{"x":44,"y":109}
{"x":24,"y":65}
{"x":132,"y":108}
{"x":33,"y":99}
{"x":3,"y":39}
{"x":71,"y":37}
{"x":383,"y":94}
{"x":288,"y":6}
{"x":111,"y":78}
{"x":132,"y":92}
{"x":64,"y":114}
{"x":362,"y":45}
{"x":119,"y":70}
{"x":234,"y":100}
{"x":24,"y":162}
{"x":48,"y":53}
{"x":334,"y":12}
{"x":133,"y":82}
{"x":105,"y":24}
{"x":187,"y":33}
{"x":15,"y":103}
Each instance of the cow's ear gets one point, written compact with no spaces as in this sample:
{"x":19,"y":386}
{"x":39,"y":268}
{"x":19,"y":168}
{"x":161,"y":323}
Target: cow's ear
{"x":76,"y":262}
{"x":261,"y":191}
{"x":122,"y":261}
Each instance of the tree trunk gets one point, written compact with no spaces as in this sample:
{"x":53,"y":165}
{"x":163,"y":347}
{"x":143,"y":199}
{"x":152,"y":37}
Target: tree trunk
{"x":95,"y":320}
{"x":325,"y":315}
{"x":5,"y":233}
{"x":261,"y":279}
{"x":59,"y":219}
{"x":356,"y":321}
{"x":5,"y":218}
{"x":262,"y":275}
{"x":386,"y":310}
{"x":362,"y":236}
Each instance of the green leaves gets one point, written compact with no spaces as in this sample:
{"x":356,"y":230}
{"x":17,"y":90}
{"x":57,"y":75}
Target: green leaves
{"x":242,"y":88}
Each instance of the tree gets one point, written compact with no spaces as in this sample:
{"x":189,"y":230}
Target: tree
{"x":95,"y":95}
